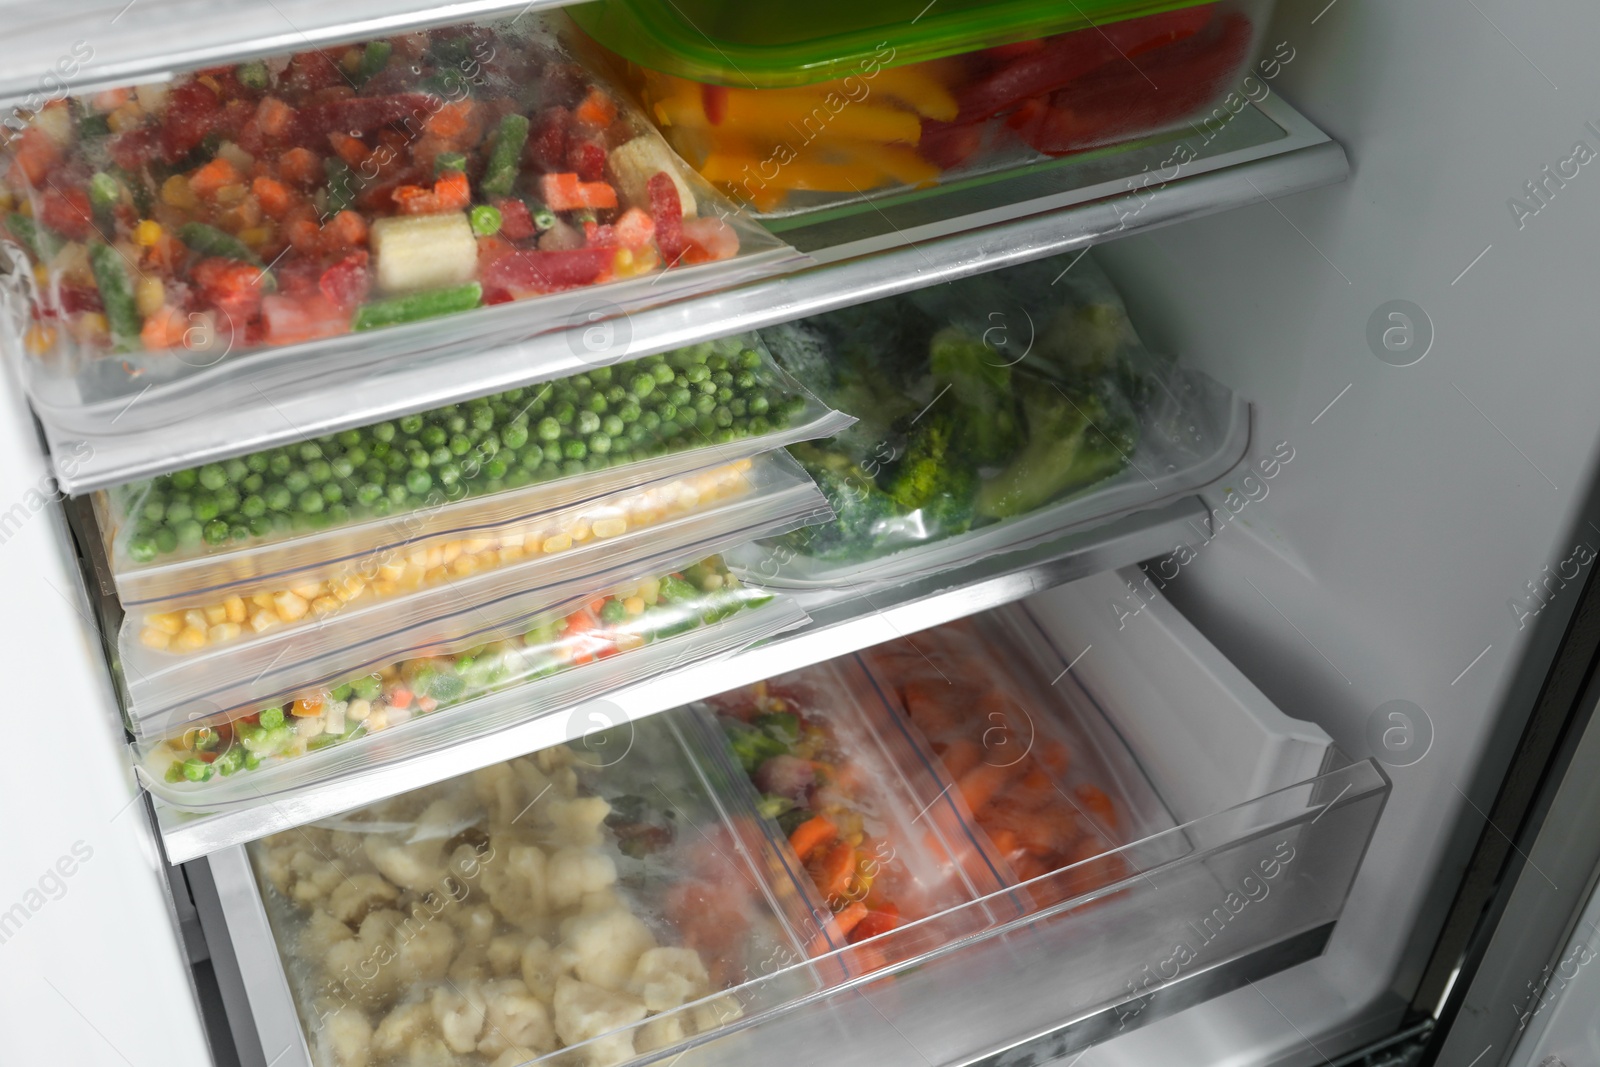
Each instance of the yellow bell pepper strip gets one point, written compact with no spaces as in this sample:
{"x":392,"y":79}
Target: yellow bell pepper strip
{"x":795,"y":114}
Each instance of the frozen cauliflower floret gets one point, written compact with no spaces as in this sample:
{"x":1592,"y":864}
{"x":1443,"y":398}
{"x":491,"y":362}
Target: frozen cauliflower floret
{"x":459,"y":1016}
{"x":660,"y":1032}
{"x":466,"y":865}
{"x":496,"y":789}
{"x":576,"y":871}
{"x":578,"y":822}
{"x":359,"y":894}
{"x":665,"y":978}
{"x":515,"y":1019}
{"x":401,"y":1028}
{"x":425,"y":955}
{"x":413,"y":866}
{"x":476,"y":924}
{"x":515,"y":1057}
{"x":515,"y":884}
{"x":349,"y":1037}
{"x":543,"y":967}
{"x":311,"y":878}
{"x":608,"y":946}
{"x":429,"y":1051}
{"x":584,"y":1011}
{"x":504,"y":954}
{"x":536,"y":784}
{"x":379,"y":926}
{"x":320,"y":933}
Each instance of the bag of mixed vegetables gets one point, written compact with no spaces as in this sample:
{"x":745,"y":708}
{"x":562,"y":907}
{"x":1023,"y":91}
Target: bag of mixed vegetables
{"x":979,"y":402}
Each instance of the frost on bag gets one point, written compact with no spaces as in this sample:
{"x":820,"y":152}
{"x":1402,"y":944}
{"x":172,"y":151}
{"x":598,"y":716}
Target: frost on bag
{"x":309,"y":196}
{"x":979,"y":402}
{"x":585,"y":898}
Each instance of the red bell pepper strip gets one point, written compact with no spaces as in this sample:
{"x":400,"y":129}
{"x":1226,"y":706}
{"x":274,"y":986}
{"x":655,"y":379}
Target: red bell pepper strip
{"x":1106,"y":108}
{"x":666,"y":210}
{"x":1068,"y":57}
{"x":547,"y":272}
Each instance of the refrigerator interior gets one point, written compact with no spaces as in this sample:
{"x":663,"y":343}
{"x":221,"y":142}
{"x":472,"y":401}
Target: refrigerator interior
{"x":1416,"y":492}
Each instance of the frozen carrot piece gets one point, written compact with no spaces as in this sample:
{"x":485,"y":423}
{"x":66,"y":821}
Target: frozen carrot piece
{"x":960,"y":756}
{"x":811,"y":835}
{"x":850,"y":916}
{"x":833,"y":874}
{"x":982,"y":784}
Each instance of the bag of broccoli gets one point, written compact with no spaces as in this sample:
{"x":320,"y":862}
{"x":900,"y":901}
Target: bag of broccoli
{"x":986,"y":400}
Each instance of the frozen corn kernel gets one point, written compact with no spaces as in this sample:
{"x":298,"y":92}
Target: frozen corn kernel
{"x":511,"y":540}
{"x":634,"y":605}
{"x":151,"y":637}
{"x":168,"y":622}
{"x":325,"y":605}
{"x":558,"y":543}
{"x":581,"y":532}
{"x":215,"y":613}
{"x":263,"y":600}
{"x":224,"y":631}
{"x":650,"y":590}
{"x":196,"y":619}
{"x":262,"y":621}
{"x":189,"y":640}
{"x":511,"y":553}
{"x":358,"y":710}
{"x":391,"y":571}
{"x":463,"y":566}
{"x":308,"y":591}
{"x":290,"y":606}
{"x":604,"y":528}
{"x":448,"y":553}
{"x":233,"y":608}
{"x":385,"y":587}
{"x":147,"y":233}
{"x":479,"y":545}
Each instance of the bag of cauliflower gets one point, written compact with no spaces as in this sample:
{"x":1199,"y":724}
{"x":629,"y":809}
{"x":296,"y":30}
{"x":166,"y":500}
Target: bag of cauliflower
{"x":580,"y":906}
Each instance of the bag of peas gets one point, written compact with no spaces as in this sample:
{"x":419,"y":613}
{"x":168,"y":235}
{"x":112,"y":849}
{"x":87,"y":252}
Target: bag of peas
{"x":276,"y":734}
{"x":439,"y":591}
{"x":457,"y":470}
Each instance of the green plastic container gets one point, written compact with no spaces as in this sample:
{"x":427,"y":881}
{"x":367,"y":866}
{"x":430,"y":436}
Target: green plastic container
{"x":764,"y":45}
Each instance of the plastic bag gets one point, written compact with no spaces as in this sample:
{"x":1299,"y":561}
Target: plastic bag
{"x":458,"y":468}
{"x":298,"y":202}
{"x":849,"y":800}
{"x":994,"y":412}
{"x":777,"y":496}
{"x":590,"y":640}
{"x":561,"y":901}
{"x":1046,"y":782}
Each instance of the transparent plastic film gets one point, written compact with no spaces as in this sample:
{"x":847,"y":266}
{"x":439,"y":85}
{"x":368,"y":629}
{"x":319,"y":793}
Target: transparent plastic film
{"x":349,"y":206}
{"x":864,"y":824}
{"x":996,"y":412}
{"x":379,"y":629}
{"x":1042,"y":776}
{"x":586,"y":904}
{"x":608,"y":637}
{"x":838,"y":132}
{"x":446,"y":568}
{"x":457,"y":469}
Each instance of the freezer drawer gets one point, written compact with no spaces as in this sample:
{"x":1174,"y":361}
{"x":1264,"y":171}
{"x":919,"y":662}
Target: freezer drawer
{"x":1230,"y":892}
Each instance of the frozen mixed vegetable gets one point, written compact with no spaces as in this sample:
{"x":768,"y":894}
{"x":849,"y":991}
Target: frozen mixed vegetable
{"x":614,"y":622}
{"x":865,"y":839}
{"x":524,"y":908}
{"x":916,"y":124}
{"x":303,"y":197}
{"x":411,"y":567}
{"x":962,"y":425}
{"x":707,"y":394}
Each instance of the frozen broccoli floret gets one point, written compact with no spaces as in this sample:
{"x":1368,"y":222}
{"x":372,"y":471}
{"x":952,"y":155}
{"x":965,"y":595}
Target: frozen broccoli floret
{"x":979,"y":384}
{"x":802,"y":350}
{"x":860,"y":508}
{"x":1073,"y":441}
{"x":934,"y":478}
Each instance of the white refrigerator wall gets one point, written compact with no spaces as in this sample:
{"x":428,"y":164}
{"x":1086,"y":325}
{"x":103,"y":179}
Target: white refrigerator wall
{"x":1383,"y":560}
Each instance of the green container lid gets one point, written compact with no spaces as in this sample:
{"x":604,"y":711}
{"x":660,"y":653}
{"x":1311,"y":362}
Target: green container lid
{"x":766,"y":44}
